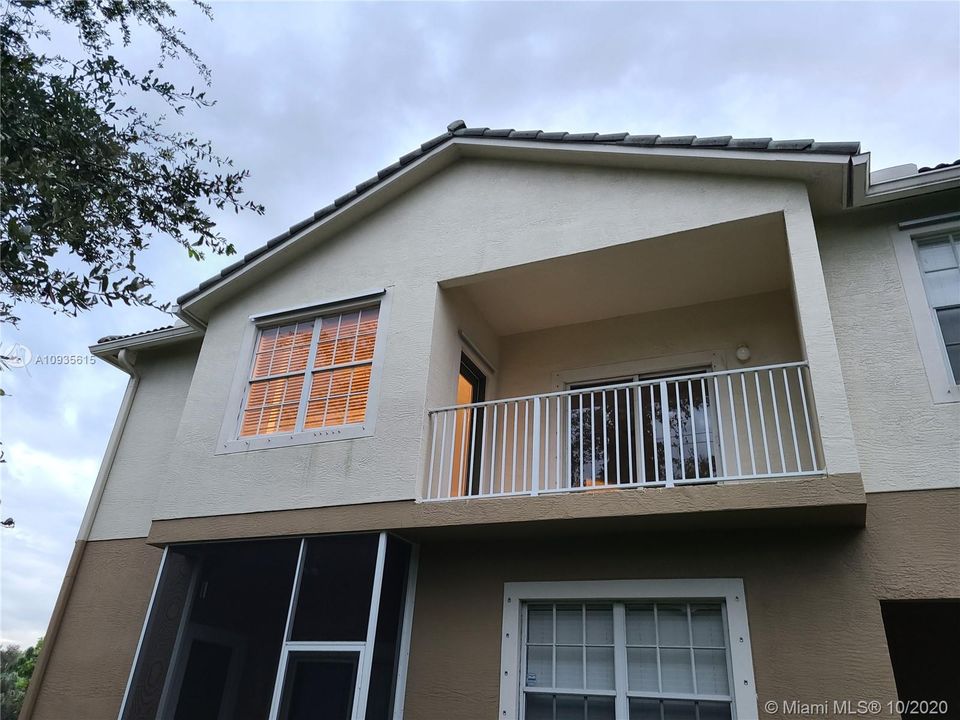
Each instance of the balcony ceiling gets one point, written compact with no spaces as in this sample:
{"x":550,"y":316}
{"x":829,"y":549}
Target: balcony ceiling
{"x":719,"y":262}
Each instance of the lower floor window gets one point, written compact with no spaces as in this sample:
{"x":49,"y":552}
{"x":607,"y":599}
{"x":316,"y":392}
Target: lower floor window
{"x":630,"y":657}
{"x":675,"y":660}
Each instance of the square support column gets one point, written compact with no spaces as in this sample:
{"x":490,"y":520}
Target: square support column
{"x":819,"y":341}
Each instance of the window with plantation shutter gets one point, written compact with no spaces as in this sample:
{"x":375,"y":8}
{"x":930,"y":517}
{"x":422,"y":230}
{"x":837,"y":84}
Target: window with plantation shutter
{"x":311,"y":374}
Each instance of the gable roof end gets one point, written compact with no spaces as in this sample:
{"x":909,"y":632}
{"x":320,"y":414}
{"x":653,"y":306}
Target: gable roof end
{"x":458,"y":128}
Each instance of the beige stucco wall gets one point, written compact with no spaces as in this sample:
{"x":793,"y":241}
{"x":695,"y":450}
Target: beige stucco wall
{"x":88,"y":663}
{"x":904,"y":439}
{"x":812,"y":600}
{"x":766,"y":322}
{"x":812,"y":597}
{"x":473,"y":217}
{"x":147,"y":442}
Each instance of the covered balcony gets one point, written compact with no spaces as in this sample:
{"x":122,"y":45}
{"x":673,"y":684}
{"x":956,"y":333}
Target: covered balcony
{"x":686,"y":429}
{"x":680,"y":360}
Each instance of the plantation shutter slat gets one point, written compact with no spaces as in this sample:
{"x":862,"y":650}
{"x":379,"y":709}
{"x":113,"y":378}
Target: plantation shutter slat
{"x":339,"y":384}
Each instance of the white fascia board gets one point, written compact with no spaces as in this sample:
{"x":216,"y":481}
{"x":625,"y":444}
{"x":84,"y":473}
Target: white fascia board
{"x":683,"y":153}
{"x":444,"y":154}
{"x":864,"y":193}
{"x":108,"y":350}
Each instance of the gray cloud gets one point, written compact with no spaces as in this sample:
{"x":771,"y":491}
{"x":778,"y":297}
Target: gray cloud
{"x":315,"y":97}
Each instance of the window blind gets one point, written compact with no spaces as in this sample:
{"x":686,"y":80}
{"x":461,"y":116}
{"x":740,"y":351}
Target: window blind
{"x":311,"y":374}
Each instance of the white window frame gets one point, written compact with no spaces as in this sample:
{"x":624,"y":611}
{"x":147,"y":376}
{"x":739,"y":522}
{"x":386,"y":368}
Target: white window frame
{"x":230,"y":441}
{"x":364,"y":649}
{"x":660,"y":365}
{"x":727,"y":590}
{"x":943,"y":388}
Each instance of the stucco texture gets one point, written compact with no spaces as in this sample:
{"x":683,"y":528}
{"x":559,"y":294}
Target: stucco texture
{"x":766,"y":322}
{"x":812,"y":599}
{"x":146,"y":444}
{"x":90,"y":660}
{"x":441,"y":229}
{"x":905,"y":441}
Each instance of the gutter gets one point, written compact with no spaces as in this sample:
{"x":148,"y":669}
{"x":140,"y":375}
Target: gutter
{"x":864,"y":193}
{"x":125,"y":360}
{"x":192,"y":320}
{"x":110,"y":350}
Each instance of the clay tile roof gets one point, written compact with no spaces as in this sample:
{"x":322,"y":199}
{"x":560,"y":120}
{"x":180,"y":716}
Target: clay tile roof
{"x":111,"y":338}
{"x":941,"y":166}
{"x":459,"y":128}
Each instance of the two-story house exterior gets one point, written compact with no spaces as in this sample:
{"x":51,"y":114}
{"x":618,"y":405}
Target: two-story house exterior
{"x":538,"y":426}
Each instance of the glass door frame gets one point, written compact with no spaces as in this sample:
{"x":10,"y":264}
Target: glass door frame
{"x":588,"y":385}
{"x":467,"y":477}
{"x":364,"y":649}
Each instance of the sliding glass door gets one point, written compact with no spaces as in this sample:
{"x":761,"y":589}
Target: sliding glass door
{"x":627,"y":435}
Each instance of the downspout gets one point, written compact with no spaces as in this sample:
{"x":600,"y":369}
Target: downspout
{"x":125,"y":359}
{"x":849,"y":197}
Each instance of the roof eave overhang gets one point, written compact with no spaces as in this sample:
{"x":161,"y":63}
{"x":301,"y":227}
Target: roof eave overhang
{"x":685,"y":156}
{"x":109,"y":350}
{"x":864,"y":194}
{"x":790,"y":165}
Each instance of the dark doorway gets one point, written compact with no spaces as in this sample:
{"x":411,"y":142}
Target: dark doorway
{"x":924,"y":641}
{"x":319,"y":686}
{"x":230,"y":643}
{"x":468,"y":430}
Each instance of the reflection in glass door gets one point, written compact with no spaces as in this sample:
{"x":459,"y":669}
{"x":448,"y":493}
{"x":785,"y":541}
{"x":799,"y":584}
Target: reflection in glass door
{"x":688,"y":423}
{"x":617,"y":434}
{"x":601,"y":420}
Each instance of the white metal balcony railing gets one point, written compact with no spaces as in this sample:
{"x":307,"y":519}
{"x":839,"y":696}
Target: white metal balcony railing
{"x":700,"y":428}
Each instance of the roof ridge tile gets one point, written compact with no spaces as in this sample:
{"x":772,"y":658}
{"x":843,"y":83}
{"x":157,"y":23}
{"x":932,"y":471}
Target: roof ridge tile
{"x":790,"y":144}
{"x":611,"y":137}
{"x":643,"y":140}
{"x":716,"y":141}
{"x":676,"y":140}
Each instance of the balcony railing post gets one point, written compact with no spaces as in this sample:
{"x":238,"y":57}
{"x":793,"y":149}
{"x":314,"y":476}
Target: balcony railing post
{"x":665,"y":429}
{"x":535,"y":466}
{"x":570,"y":425}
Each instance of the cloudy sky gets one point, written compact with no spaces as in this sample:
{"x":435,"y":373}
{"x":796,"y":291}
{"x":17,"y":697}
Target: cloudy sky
{"x":314,"y":98}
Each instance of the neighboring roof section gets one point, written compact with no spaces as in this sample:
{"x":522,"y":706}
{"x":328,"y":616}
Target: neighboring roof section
{"x":111,"y":338}
{"x":109,"y":347}
{"x":459,"y":128}
{"x":941,"y":166}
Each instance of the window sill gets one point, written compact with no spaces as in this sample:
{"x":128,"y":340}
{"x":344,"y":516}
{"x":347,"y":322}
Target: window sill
{"x":950,"y":395}
{"x":307,"y":437}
